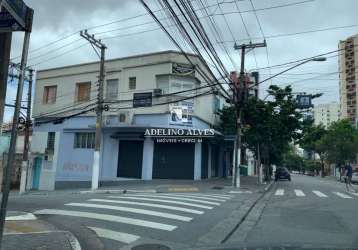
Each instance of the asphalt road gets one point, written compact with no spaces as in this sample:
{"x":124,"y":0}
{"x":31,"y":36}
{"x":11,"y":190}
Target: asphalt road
{"x":114,"y":221}
{"x":308,"y":212}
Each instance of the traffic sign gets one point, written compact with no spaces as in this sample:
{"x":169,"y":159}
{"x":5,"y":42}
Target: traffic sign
{"x":8,"y":23}
{"x":18,"y":9}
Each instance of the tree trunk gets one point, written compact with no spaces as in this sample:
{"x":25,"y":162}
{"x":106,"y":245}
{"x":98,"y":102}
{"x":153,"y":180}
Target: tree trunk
{"x":322,"y":167}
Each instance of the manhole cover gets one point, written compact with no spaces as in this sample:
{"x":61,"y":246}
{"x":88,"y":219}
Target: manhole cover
{"x":150,"y":247}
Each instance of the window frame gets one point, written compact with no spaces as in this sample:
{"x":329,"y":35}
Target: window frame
{"x":84,"y":140}
{"x":78,"y":84}
{"x":130,"y":82}
{"x":45,"y":96}
{"x":113,"y":97}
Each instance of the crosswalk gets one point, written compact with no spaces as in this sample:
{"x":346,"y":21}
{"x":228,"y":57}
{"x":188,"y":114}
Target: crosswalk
{"x":158,"y":211}
{"x":317,"y":193}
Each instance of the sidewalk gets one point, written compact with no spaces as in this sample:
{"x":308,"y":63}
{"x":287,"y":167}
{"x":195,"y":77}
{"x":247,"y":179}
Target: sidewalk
{"x":248,"y":183}
{"x":24,"y":231}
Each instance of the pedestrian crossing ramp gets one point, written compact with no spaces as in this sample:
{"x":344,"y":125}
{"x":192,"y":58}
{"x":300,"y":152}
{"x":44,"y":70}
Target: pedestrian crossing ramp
{"x":316,"y":193}
{"x":163,"y":212}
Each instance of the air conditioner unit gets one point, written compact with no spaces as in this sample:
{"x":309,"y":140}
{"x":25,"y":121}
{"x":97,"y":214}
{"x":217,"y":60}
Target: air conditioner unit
{"x":125,"y":117}
{"x":157,"y":92}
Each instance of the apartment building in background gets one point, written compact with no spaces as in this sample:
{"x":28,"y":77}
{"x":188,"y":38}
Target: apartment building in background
{"x":138,"y":94}
{"x":327,"y":113}
{"x":348,"y":78}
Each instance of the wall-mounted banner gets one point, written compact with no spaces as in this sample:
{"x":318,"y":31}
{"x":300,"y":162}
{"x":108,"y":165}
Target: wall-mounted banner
{"x":178,"y":135}
{"x":183,"y":69}
{"x":181,"y":113}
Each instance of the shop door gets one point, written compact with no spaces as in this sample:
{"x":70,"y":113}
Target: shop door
{"x":130,"y":159}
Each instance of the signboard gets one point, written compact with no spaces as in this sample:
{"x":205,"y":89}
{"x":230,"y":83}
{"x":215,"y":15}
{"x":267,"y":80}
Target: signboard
{"x":142,"y":99}
{"x":304,"y":101}
{"x":181,"y":113}
{"x":8,"y":23}
{"x":183,"y":69}
{"x":17,"y":9}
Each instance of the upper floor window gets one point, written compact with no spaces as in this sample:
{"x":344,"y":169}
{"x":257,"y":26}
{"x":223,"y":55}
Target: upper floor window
{"x":132,"y":83}
{"x":49,"y":95}
{"x":180,"y":86}
{"x":112,"y":89}
{"x":83,"y":91}
{"x":51,"y":141}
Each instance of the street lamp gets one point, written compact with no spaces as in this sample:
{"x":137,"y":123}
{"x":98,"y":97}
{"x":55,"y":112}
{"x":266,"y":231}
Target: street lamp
{"x":314,"y":59}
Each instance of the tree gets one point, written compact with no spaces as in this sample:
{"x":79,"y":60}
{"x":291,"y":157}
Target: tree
{"x":269,"y":125}
{"x":311,"y":140}
{"x":340,"y":143}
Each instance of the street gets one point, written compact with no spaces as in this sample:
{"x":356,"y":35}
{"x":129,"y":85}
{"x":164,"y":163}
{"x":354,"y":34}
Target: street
{"x":306,"y":212}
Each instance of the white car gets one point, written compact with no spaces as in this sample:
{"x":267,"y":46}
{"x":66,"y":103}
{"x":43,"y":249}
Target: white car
{"x":355,"y":178}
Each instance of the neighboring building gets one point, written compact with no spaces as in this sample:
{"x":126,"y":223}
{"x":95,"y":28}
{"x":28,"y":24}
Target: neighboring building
{"x":134,"y":88}
{"x":325,"y":114}
{"x":348,"y":78}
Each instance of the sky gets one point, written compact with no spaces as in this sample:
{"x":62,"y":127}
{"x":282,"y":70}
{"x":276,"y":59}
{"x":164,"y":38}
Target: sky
{"x":55,"y":39}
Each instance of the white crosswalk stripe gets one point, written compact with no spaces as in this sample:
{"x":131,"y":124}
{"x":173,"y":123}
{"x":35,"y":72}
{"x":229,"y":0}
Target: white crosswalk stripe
{"x":280,"y":192}
{"x":342,"y":195}
{"x":220,"y":196}
{"x":319,"y":194}
{"x":132,"y":210}
{"x":356,"y":194}
{"x":182,"y":209}
{"x":161,"y":200}
{"x":197,"y":200}
{"x":107,"y":217}
{"x":299,"y":193}
{"x":196,"y":196}
{"x":114,"y":235}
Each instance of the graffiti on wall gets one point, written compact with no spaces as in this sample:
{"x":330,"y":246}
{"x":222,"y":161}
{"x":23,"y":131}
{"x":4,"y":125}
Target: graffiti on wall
{"x":76,"y":167}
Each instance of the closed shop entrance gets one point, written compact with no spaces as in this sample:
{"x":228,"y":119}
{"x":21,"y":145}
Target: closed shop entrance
{"x":173,"y":161}
{"x":130,"y":159}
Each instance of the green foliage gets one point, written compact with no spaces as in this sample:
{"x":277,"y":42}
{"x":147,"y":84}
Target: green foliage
{"x":227,"y":123}
{"x":340,"y":143}
{"x":293,"y":161}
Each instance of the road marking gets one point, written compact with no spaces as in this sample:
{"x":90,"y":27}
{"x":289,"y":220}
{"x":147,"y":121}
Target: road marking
{"x":342,"y":195}
{"x":27,"y":216}
{"x":220,"y":196}
{"x":176,"y":198}
{"x":161,"y":200}
{"x":107,"y":217}
{"x":114,"y":235}
{"x":187,"y":210}
{"x":240,"y":192}
{"x":280,"y":192}
{"x":320,"y":194}
{"x":299,"y":193}
{"x":356,"y":194}
{"x":133,"y":210}
{"x":195,"y":196}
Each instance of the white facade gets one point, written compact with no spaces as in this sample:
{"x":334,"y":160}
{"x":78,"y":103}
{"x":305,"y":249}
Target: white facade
{"x":125,"y":152}
{"x":325,"y":114}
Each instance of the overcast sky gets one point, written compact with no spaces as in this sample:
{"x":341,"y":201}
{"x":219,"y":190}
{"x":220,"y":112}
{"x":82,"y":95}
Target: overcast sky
{"x":58,"y":19}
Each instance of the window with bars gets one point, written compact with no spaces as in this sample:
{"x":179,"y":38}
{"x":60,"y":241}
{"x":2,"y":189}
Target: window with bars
{"x":132,"y":83}
{"x":83,"y":91}
{"x":84,"y":140}
{"x":49,"y":96}
{"x":51,"y":141}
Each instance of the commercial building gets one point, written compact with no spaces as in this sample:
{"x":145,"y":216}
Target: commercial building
{"x":140,"y":126}
{"x":348,"y":78}
{"x":325,"y":114}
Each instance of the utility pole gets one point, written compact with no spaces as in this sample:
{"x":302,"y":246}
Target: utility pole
{"x":240,"y":95}
{"x":99,"y":110}
{"x":12,"y":149}
{"x":28,"y":124}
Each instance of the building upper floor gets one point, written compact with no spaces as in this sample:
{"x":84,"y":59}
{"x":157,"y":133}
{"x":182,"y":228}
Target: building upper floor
{"x":327,"y":113}
{"x":156,"y":83}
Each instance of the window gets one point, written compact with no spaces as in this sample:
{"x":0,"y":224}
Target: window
{"x":178,"y":86}
{"x":132,"y":82}
{"x":49,"y":96}
{"x":84,"y":140}
{"x":51,"y":141}
{"x":83,"y":92}
{"x":112,"y":89}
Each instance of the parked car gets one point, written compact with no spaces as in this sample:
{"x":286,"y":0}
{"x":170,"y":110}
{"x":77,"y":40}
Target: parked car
{"x":282,"y":174}
{"x":310,"y":173}
{"x":355,"y":178}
